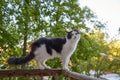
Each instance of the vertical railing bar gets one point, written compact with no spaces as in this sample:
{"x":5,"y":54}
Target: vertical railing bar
{"x":66,"y":78}
{"x":56,"y":76}
{"x":10,"y":78}
{"x":27,"y":77}
{"x":41,"y":77}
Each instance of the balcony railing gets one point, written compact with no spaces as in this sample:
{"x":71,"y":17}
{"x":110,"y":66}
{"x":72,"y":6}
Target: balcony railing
{"x":68,"y":75}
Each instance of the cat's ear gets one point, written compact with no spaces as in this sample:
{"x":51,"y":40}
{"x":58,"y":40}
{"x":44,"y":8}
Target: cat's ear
{"x":78,"y":29}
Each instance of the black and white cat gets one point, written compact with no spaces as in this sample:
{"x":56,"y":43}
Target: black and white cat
{"x":46,"y":48}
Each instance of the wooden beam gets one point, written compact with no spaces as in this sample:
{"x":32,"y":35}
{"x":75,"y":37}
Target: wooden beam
{"x":32,"y":72}
{"x":46,"y":72}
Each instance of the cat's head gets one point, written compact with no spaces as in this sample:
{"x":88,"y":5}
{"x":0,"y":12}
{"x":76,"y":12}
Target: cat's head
{"x":73,"y":35}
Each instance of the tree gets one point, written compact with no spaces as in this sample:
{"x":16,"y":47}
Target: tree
{"x":29,"y":19}
{"x":113,"y":53}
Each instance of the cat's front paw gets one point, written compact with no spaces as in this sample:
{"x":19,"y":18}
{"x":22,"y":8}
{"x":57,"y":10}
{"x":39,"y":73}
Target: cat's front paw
{"x":47,"y":67}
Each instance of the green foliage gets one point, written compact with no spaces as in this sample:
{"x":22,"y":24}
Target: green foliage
{"x":54,"y":63}
{"x":87,"y":56}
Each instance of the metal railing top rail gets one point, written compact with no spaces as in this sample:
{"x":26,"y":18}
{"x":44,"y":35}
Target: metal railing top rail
{"x":45,"y":72}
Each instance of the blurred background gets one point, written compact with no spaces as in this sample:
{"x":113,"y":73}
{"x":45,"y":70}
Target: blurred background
{"x":98,"y":51}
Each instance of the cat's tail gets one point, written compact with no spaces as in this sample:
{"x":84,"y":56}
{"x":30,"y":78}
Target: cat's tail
{"x":21,"y":60}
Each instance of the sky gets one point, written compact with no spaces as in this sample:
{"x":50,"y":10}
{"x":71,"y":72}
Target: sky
{"x":107,"y":11}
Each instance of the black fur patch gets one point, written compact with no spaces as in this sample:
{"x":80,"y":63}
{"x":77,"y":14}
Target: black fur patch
{"x":69,"y":35}
{"x":50,"y":43}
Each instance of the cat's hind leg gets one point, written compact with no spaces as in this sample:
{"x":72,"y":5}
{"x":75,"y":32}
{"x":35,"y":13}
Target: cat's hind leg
{"x":40,"y":66}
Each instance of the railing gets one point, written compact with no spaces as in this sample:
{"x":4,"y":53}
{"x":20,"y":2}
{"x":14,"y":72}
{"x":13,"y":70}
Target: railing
{"x":46,"y":72}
